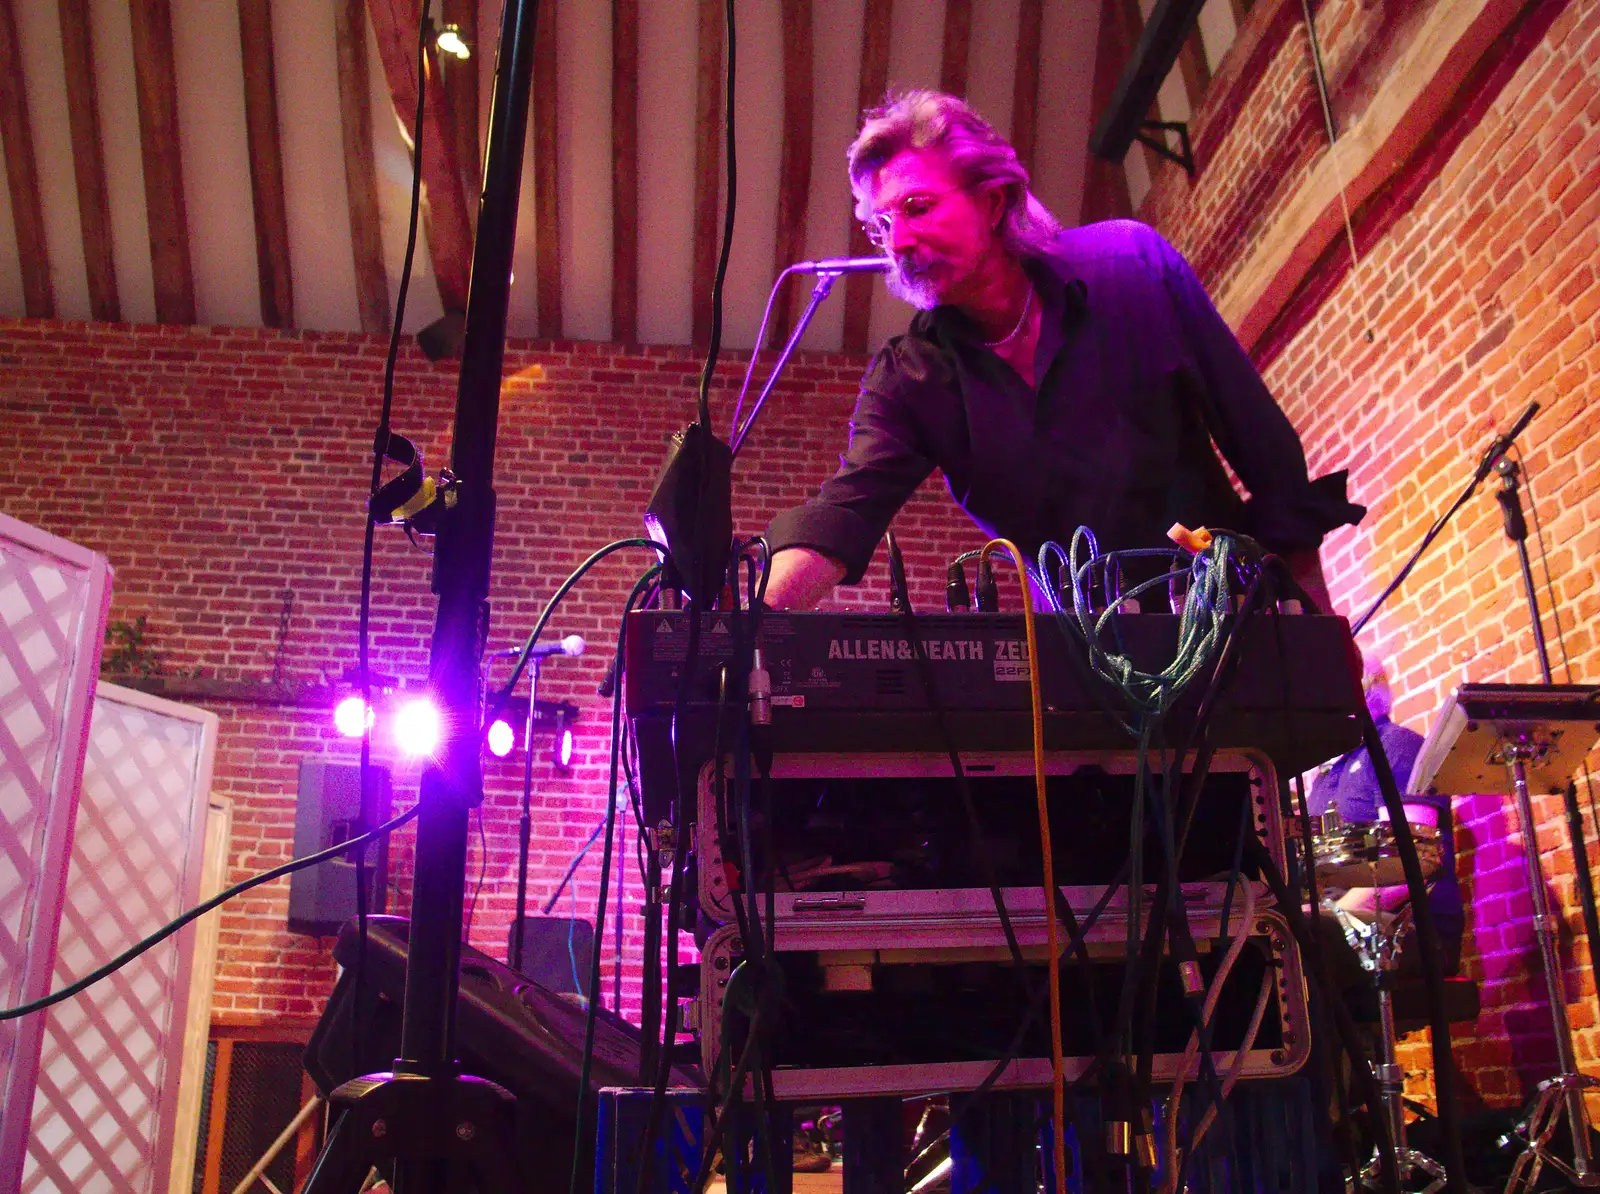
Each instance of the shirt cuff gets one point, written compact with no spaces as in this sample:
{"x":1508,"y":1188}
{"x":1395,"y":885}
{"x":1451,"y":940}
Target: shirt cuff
{"x":832,"y":530}
{"x":1299,"y":521}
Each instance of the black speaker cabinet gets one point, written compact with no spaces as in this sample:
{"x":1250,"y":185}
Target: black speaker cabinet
{"x":509,"y":1029}
{"x":321,"y":898}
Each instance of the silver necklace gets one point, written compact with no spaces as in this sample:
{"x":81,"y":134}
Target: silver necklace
{"x":1027,"y":306}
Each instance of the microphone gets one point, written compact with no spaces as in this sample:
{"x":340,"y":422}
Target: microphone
{"x":1502,"y":443}
{"x":573,"y":644}
{"x":844,"y":265}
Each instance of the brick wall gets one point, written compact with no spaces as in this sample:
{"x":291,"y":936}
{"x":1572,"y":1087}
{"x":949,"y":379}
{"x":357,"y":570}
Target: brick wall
{"x":221,"y":468}
{"x":1476,"y":293}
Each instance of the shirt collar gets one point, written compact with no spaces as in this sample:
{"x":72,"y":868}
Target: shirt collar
{"x":1063,"y":299}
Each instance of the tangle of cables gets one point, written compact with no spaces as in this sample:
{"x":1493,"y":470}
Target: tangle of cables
{"x":1085,"y":572}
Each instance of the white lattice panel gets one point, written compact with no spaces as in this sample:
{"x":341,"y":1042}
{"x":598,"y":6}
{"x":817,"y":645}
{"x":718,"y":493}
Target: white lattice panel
{"x":53,"y":601}
{"x":108,"y":1072}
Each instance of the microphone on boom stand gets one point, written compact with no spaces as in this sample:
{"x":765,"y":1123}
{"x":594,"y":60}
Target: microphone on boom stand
{"x":1493,"y":456}
{"x":842,"y":265}
{"x":1502,"y":444}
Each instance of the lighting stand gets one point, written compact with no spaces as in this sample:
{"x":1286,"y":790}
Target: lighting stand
{"x":425,"y":1118}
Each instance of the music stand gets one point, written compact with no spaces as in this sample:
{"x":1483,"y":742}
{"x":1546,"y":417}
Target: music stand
{"x":1505,"y":739}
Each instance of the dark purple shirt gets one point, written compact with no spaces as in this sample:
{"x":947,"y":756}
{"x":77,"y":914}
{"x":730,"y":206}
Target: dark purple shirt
{"x":1137,"y":376}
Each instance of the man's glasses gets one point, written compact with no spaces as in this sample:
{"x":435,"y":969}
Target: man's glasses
{"x":911,"y":211}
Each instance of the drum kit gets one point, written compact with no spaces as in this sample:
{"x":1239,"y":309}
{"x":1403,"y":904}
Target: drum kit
{"x":1492,"y":739}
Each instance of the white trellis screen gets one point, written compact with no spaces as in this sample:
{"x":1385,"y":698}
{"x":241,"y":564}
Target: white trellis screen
{"x":107,"y":1097}
{"x":54,"y":596}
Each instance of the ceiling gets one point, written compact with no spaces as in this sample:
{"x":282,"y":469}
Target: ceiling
{"x":213,"y":149}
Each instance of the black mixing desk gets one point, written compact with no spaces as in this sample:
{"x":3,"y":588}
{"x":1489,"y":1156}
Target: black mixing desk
{"x":848,"y":683}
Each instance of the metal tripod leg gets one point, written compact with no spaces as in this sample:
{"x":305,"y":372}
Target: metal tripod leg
{"x":424,"y":1126}
{"x":1563,"y":1094}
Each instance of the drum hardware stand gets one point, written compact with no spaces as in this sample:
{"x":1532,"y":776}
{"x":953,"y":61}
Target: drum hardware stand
{"x":425,"y":1118}
{"x":1378,"y":946}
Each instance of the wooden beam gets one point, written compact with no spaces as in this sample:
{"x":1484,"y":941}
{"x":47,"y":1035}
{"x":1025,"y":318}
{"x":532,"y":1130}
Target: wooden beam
{"x":1193,"y":69}
{"x":156,"y":86}
{"x":794,"y":169}
{"x":88,"y":160}
{"x":1025,"y":81}
{"x":625,"y":171}
{"x":707,"y":158}
{"x":1133,"y":26}
{"x":1420,"y":85}
{"x":266,"y":164}
{"x":360,"y":166}
{"x":876,"y":22}
{"x":1398,"y":197}
{"x":1105,"y":184}
{"x":546,"y":188}
{"x":461,"y":85}
{"x":22,"y":175}
{"x":957,"y":39}
{"x":449,"y":226}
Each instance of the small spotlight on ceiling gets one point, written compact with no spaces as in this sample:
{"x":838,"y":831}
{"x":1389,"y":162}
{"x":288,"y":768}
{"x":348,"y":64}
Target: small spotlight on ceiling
{"x":352,"y":716}
{"x":502,"y":738}
{"x":416,"y":727}
{"x":449,"y":42}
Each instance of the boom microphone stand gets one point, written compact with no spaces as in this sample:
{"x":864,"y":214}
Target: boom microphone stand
{"x":424,"y":1117}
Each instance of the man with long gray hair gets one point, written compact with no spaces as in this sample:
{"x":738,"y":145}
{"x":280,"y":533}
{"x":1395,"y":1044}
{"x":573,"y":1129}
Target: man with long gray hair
{"x":1058,"y":378}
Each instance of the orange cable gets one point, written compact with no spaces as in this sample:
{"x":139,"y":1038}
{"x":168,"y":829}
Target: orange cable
{"x":1057,"y":1089}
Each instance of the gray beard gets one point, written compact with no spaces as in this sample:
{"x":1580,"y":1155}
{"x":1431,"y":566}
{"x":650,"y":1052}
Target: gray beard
{"x":909,"y":282}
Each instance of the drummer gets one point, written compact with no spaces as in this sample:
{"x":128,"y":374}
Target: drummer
{"x":1350,"y":786}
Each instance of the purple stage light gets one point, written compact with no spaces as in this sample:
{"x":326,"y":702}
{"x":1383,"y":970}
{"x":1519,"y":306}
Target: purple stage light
{"x":502,"y":738}
{"x":563,"y":746}
{"x":352,"y":717}
{"x":416,"y":727}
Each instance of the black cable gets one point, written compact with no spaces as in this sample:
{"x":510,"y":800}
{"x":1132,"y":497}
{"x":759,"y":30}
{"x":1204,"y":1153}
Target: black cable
{"x":980,"y":853}
{"x":593,"y":1006}
{"x":380,"y":444}
{"x":1036,"y":997}
{"x":1444,"y":1078}
{"x":1344,"y":1023}
{"x":498,"y":701}
{"x":713,"y":350}
{"x":572,"y":867}
{"x":222,"y":897}
{"x":673,"y":913}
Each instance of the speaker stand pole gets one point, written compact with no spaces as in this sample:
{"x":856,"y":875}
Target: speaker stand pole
{"x":424,"y":1118}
